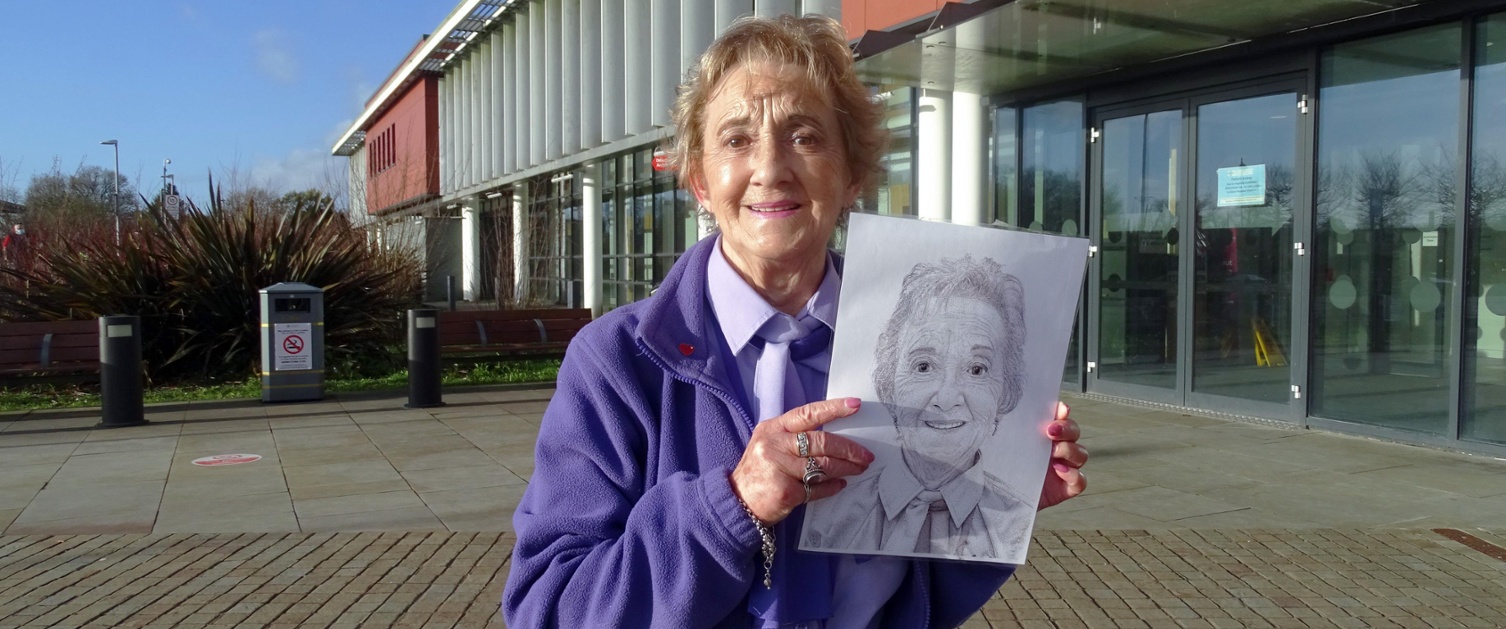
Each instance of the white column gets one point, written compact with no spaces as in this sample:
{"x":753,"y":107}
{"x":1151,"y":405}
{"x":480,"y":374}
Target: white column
{"x":590,"y":43}
{"x":463,"y":128}
{"x":509,"y":109}
{"x":570,"y":55}
{"x":771,"y":8}
{"x":664,"y":55}
{"x":445,"y":160}
{"x":484,"y":109}
{"x":697,"y":29}
{"x":474,"y":107}
{"x":613,"y":71}
{"x":470,"y":249}
{"x":969,"y":160}
{"x":933,"y":163}
{"x":520,"y":241}
{"x":538,"y":64}
{"x":590,"y":215}
{"x":498,"y":112}
{"x":637,"y":75}
{"x":553,"y":127}
{"x":524,"y":84}
{"x":729,"y":10}
{"x":828,"y":8}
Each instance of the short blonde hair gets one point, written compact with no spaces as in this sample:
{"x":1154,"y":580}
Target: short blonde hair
{"x":816,"y":43}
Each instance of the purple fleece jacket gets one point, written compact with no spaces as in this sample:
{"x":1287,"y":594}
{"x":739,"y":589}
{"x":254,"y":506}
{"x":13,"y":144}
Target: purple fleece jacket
{"x":629,"y":519}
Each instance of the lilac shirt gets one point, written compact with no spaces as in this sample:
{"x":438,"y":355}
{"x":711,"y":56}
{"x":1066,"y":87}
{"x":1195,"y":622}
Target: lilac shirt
{"x":860,"y":589}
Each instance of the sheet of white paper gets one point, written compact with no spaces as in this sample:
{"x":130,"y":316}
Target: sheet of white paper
{"x":946,"y":372}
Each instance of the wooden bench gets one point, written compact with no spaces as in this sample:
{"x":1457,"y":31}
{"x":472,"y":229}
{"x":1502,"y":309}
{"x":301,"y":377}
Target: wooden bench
{"x":501,"y":333}
{"x":49,"y":348}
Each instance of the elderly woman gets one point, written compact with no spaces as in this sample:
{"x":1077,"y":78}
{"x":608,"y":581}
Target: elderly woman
{"x":672,"y":464}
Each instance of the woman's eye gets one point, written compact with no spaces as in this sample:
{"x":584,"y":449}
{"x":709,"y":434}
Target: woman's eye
{"x":804,"y":140}
{"x":923,"y":367}
{"x":977,"y":370}
{"x":737,"y":142}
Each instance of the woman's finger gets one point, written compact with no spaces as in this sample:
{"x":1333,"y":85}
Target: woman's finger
{"x":1068,"y":452}
{"x":816,"y":414}
{"x":1063,"y":429}
{"x":837,"y":447}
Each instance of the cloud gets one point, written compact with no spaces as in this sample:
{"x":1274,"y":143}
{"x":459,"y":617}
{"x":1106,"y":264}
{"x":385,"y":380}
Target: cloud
{"x":300,"y":169}
{"x":274,"y":55}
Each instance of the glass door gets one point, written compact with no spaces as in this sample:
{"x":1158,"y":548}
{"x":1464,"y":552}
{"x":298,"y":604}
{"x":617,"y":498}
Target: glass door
{"x":1196,"y":204}
{"x":1138,"y":163}
{"x":1243,"y":261}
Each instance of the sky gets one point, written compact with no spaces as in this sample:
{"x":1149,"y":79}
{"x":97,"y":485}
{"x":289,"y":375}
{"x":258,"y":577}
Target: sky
{"x":259,"y":90}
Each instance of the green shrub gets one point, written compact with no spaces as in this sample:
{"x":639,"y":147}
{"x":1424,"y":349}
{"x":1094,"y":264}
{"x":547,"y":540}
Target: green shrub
{"x":193,"y":278}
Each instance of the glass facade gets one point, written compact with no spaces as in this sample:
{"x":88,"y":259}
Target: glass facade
{"x":1485,"y":303}
{"x":895,"y":192}
{"x":1038,"y":159}
{"x":647,"y":222}
{"x":554,"y":269}
{"x":1387,"y":151}
{"x":1198,"y":290}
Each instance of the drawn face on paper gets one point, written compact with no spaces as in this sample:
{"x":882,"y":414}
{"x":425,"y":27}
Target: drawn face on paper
{"x":948,"y":385}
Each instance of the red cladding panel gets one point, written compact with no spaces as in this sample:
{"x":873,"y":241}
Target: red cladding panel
{"x":408,"y":166}
{"x":859,"y":16}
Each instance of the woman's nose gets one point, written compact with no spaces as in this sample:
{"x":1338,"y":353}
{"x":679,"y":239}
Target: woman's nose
{"x":770,"y":164}
{"x":948,"y":396}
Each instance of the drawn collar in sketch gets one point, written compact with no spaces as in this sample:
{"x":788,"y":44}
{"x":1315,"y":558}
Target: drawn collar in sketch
{"x":897,"y":487}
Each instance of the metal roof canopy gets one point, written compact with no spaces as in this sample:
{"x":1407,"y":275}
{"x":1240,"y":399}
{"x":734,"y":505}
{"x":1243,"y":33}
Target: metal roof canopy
{"x":1028,"y":43}
{"x":464,"y":24}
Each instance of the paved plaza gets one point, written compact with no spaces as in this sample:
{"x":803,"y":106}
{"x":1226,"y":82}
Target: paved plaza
{"x":362,"y":513}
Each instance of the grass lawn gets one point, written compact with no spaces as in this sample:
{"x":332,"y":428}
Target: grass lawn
{"x":69,"y":396}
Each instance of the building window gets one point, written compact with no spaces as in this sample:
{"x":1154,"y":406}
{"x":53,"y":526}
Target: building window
{"x":383,"y":150}
{"x":1484,"y":418}
{"x":1388,"y":145}
{"x":554,"y":270}
{"x":647,"y":222}
{"x":1038,"y":161}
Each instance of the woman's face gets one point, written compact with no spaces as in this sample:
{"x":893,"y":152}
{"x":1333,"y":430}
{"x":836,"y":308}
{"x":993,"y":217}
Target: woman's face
{"x":773,"y":167}
{"x":947,"y":386}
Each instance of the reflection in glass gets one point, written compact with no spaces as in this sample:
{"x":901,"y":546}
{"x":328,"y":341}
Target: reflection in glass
{"x":1006,"y":154}
{"x":894,"y":192}
{"x":1241,"y":309}
{"x":1137,"y":340}
{"x":1484,"y":418}
{"x":647,"y":222}
{"x":554,"y":264}
{"x":1050,"y":182}
{"x":1387,"y":150}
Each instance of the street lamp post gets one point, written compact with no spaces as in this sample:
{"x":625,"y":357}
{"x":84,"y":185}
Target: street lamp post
{"x":116,"y":144}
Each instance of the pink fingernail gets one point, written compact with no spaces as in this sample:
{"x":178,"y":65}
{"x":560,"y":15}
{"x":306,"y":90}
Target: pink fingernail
{"x":1061,"y":468}
{"x":1054,"y":430}
{"x":853,"y":402}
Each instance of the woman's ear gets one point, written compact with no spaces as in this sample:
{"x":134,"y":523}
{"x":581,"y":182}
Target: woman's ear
{"x":697,"y":185}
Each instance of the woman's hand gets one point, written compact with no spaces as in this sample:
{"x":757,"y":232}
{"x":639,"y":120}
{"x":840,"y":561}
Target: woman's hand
{"x":768,"y":478}
{"x":1063,"y":478}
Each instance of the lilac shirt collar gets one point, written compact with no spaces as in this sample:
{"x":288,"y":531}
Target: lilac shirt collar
{"x":741,"y":311}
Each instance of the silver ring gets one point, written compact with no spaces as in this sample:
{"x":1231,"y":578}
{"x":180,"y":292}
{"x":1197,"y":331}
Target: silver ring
{"x":807,"y":492}
{"x":804,"y":443}
{"x":813,"y":472}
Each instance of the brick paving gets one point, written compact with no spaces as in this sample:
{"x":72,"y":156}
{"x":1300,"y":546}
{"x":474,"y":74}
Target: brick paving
{"x":428,"y":579}
{"x":1173,"y":578}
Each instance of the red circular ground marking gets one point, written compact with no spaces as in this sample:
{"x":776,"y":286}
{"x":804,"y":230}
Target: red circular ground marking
{"x":292,"y":344}
{"x":226,"y":459}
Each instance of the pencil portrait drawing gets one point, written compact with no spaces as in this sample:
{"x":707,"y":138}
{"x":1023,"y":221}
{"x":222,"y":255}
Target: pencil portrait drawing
{"x":949,"y":366}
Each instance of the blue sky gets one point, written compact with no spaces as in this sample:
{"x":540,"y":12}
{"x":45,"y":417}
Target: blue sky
{"x":262,"y":88}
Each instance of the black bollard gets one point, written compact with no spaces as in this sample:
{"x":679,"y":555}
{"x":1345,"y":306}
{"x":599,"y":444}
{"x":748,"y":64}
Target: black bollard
{"x":449,"y":290}
{"x":423,"y":359}
{"x":120,"y":371}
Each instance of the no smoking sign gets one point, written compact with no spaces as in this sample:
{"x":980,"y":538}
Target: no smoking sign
{"x":289,"y":342}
